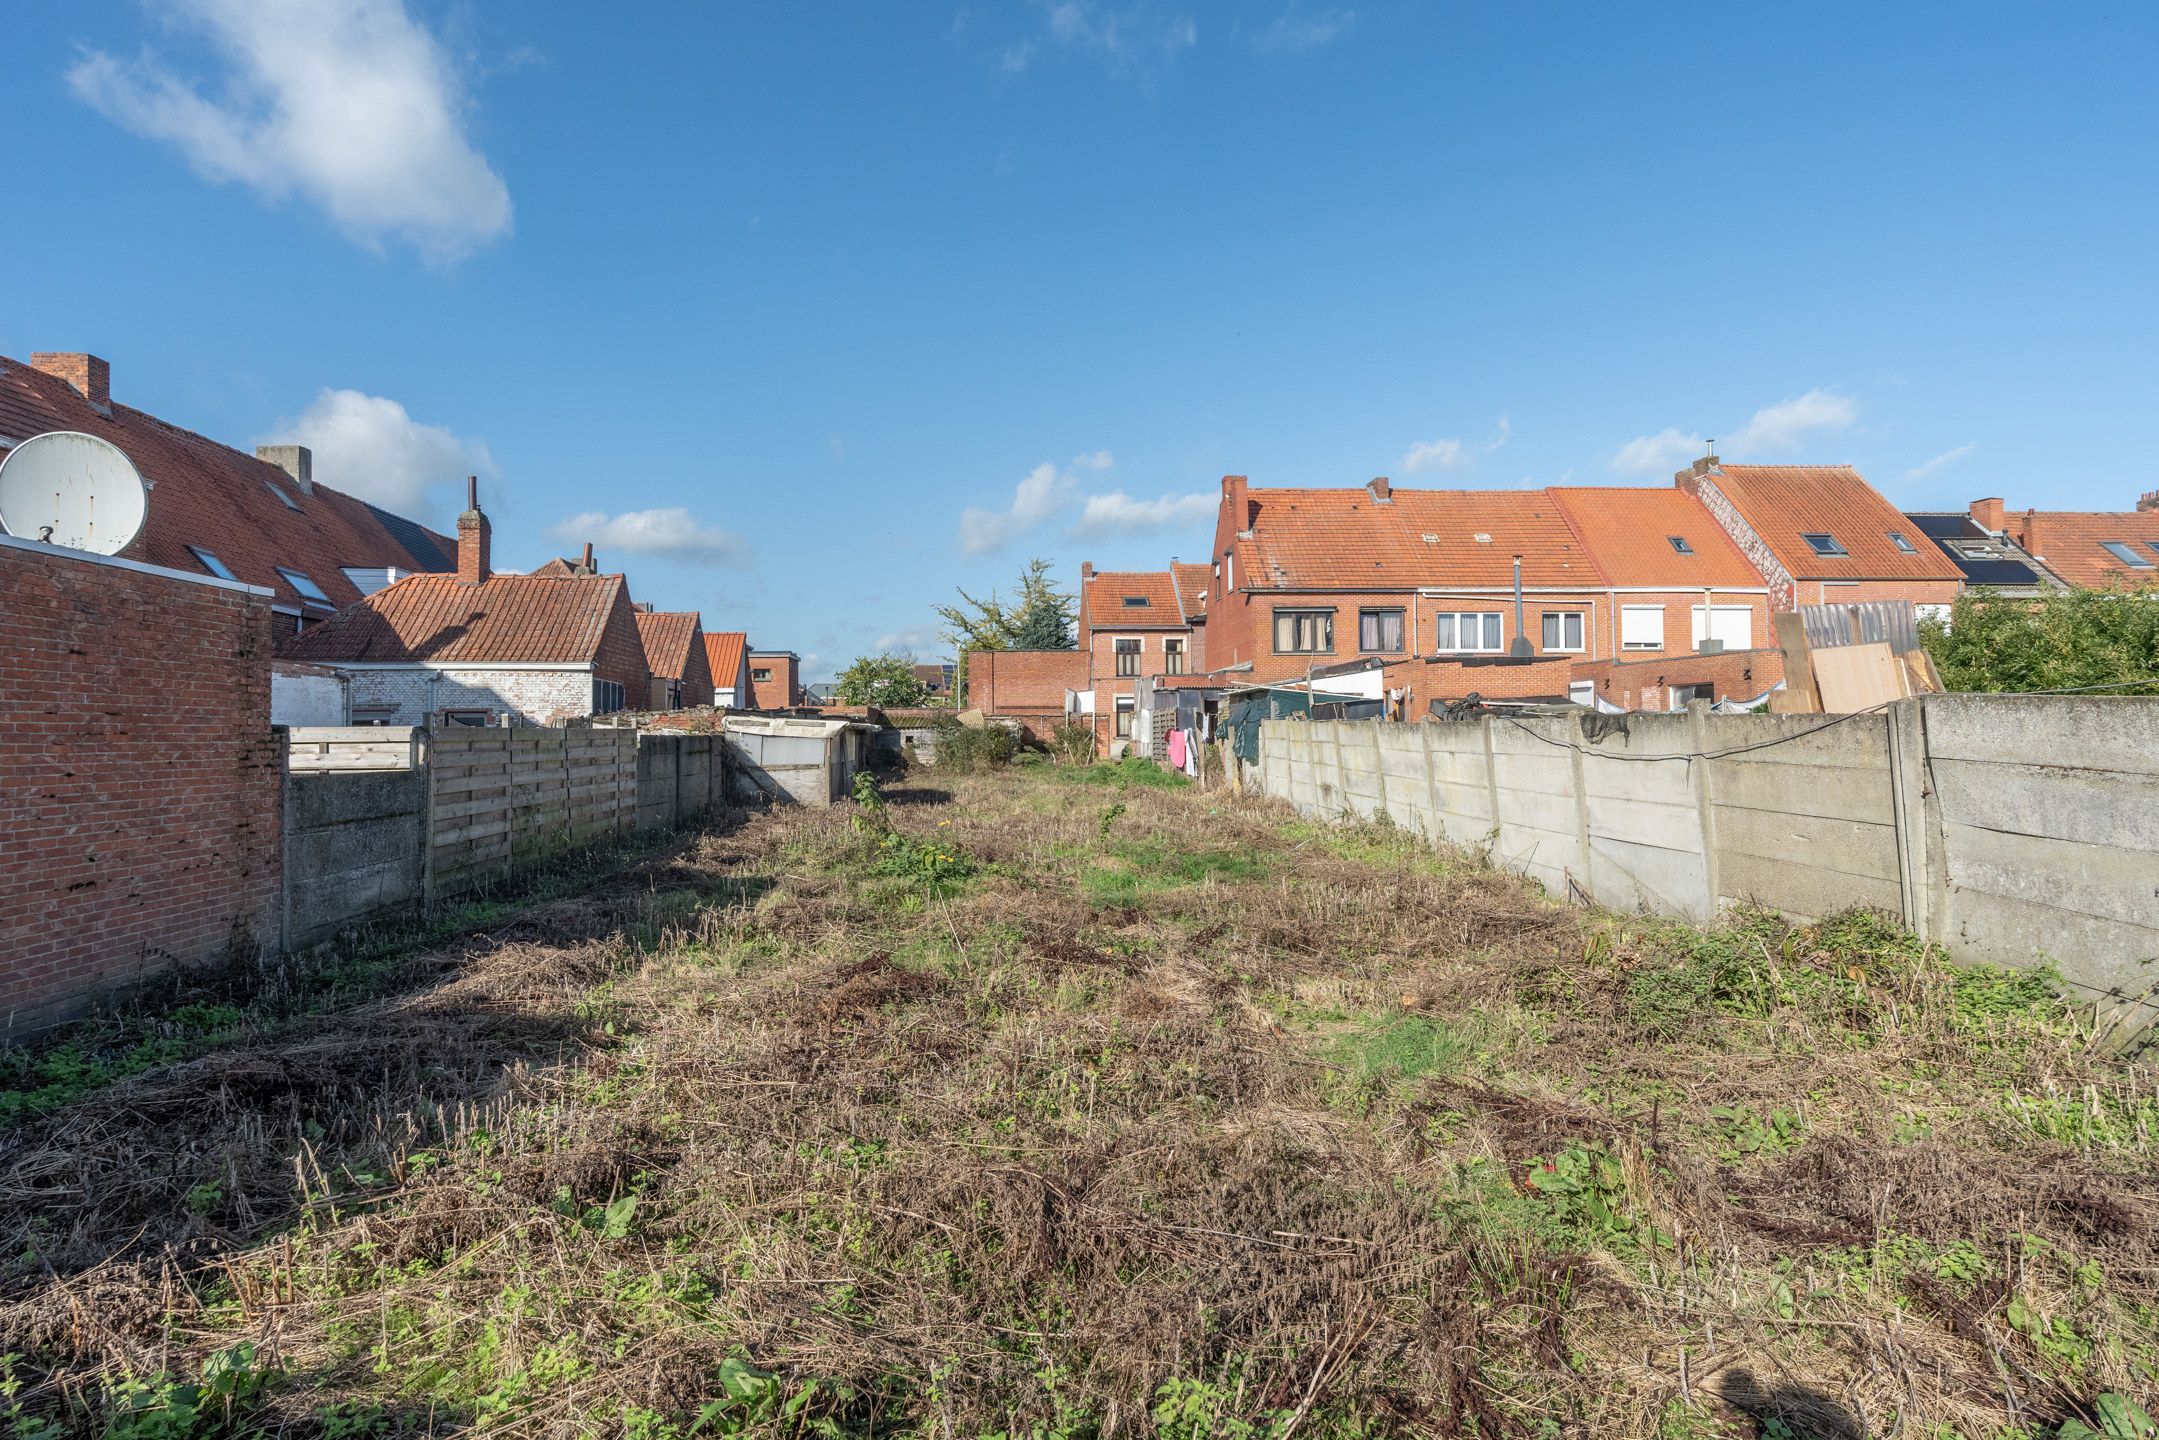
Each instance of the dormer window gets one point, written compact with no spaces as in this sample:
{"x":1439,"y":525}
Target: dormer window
{"x":1824,"y":544}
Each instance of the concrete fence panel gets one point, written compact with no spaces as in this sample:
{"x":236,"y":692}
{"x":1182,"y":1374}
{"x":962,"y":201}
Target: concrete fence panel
{"x":352,"y":849}
{"x":2013,"y":829}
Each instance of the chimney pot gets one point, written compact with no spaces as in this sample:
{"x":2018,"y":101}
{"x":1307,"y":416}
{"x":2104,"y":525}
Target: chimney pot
{"x":295,"y":460}
{"x":2149,"y":500}
{"x":91,"y":377}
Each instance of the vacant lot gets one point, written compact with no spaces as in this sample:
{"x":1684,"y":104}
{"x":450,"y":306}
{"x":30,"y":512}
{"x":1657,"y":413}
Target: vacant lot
{"x":1054,"y":1105}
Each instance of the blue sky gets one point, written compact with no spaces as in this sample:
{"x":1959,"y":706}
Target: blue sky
{"x":808,"y":314}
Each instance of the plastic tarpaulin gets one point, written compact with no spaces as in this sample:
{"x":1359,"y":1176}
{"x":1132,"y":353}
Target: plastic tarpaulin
{"x":1246,"y":711}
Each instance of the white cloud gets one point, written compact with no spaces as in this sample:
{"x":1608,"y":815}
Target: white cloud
{"x":1094,"y":460}
{"x":368,"y":446}
{"x":670,"y":532}
{"x":1036,"y":499}
{"x":1295,"y":30}
{"x":1450,"y":456}
{"x":1782,"y":426}
{"x":1119,"y":514}
{"x":1665,"y":451}
{"x":1948,"y":457}
{"x":350,"y":104}
{"x":1141,"y":38}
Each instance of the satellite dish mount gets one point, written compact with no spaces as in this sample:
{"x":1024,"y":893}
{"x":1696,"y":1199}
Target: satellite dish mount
{"x":74,"y":490}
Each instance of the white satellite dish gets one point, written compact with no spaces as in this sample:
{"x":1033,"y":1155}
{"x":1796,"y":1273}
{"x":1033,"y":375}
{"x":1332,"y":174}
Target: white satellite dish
{"x":72,"y":489}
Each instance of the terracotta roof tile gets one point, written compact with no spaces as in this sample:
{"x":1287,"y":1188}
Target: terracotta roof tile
{"x":667,"y":637}
{"x":1784,"y":502}
{"x":505,"y":619}
{"x":1107,"y":600}
{"x":1193,"y":582}
{"x":726,"y":650}
{"x":1345,"y":539}
{"x":210,"y":495}
{"x":2071,"y":543}
{"x":1629,"y":531}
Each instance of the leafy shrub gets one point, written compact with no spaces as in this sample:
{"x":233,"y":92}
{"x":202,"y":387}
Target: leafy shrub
{"x":1130,"y":771}
{"x":963,"y":749}
{"x":1072,"y":744}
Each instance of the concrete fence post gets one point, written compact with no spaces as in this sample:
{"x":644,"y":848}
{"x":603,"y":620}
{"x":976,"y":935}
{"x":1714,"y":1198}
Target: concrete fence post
{"x":1704,"y":802}
{"x":1581,"y":812}
{"x":1917,"y":818}
{"x":1491,"y":776}
{"x":428,"y":882}
{"x":1431,"y":787}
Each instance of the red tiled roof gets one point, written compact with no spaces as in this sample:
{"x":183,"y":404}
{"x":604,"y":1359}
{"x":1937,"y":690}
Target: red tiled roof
{"x":1105,"y":598}
{"x":1629,"y":530}
{"x":215,"y":497}
{"x":1347,"y":540}
{"x":1193,"y":583}
{"x":1784,"y":502}
{"x":2068,"y":542}
{"x":667,"y":637}
{"x":725,"y":651}
{"x":505,"y":619}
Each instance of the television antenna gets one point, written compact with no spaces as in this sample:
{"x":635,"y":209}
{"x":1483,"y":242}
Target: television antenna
{"x":68,"y":488}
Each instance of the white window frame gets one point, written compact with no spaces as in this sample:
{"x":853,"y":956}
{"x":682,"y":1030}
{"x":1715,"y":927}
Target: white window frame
{"x":1583,"y":693}
{"x":1645,"y":618}
{"x":1449,"y":624}
{"x":1705,"y":622}
{"x":1124,"y":709}
{"x":1581,"y":631}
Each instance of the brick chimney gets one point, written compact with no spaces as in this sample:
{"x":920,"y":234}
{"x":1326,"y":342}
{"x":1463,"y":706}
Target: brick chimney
{"x":587,"y":562}
{"x":1086,"y":569}
{"x":91,"y":377}
{"x":1382,"y":492}
{"x":474,"y":538}
{"x":1240,"y":510}
{"x":295,"y":460}
{"x":1987,"y":514}
{"x":1691,"y":478}
{"x":2149,"y":500}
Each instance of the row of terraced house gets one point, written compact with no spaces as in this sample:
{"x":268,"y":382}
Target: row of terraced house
{"x":1618,"y":598}
{"x":377,"y":619}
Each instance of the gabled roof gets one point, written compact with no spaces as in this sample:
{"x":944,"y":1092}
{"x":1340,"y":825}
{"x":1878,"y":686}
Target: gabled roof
{"x":1784,"y":502}
{"x":1985,"y":559}
{"x":725,"y":651}
{"x":667,"y":637}
{"x":1192,"y":582}
{"x":1129,"y":600}
{"x":227,"y":503}
{"x":505,"y":619}
{"x":1348,"y":540}
{"x":2072,"y":543}
{"x":1629,"y":531}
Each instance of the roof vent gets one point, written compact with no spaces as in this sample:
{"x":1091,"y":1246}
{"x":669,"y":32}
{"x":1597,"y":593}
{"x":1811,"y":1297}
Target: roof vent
{"x":1430,"y":538}
{"x":1481,"y":538}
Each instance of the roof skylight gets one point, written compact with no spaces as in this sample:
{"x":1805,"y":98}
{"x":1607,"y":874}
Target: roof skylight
{"x":1679,"y":543}
{"x":1896,"y":538}
{"x":299,"y":581}
{"x":1825,"y":544}
{"x":211,"y":563}
{"x":2120,"y":550}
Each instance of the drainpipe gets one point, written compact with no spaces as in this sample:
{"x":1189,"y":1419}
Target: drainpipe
{"x":1521,"y":647}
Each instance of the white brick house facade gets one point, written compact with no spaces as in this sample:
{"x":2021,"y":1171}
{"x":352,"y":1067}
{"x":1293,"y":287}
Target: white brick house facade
{"x":525,"y":694}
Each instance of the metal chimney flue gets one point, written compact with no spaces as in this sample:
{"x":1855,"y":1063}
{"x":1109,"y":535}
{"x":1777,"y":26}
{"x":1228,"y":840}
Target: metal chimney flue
{"x":1521,"y":648}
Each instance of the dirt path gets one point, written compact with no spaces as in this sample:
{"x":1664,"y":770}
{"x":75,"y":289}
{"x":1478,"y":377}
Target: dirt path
{"x":1027,"y":1105}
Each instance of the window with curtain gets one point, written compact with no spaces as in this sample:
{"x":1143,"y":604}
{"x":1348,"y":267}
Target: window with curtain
{"x":1465,"y":632}
{"x":1304,"y":632}
{"x":1563,"y":630}
{"x":1127,"y":658}
{"x":1379,"y":631}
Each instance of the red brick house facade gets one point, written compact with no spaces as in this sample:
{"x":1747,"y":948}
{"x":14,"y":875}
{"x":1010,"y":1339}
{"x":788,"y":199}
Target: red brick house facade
{"x":775,"y":679}
{"x":1028,"y":686}
{"x":674,"y":645}
{"x":1134,"y":625}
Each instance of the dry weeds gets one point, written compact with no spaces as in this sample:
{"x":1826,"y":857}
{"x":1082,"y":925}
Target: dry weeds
{"x":1177,"y":1116}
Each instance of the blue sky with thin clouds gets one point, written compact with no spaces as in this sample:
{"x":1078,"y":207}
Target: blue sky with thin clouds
{"x":807,"y":314}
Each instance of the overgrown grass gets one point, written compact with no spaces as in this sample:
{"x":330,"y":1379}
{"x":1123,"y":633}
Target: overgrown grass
{"x":1056,"y":1104}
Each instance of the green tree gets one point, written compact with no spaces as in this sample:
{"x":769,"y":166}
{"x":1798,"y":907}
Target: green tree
{"x":2082,"y":637}
{"x":1039,"y":617}
{"x":884,"y":680}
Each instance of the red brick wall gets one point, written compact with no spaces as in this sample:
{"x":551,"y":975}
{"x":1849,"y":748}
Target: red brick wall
{"x":783,"y":690}
{"x":1025,"y":685}
{"x":139,"y":778}
{"x":1647,"y":684}
{"x":621,"y":656}
{"x":697,"y":673}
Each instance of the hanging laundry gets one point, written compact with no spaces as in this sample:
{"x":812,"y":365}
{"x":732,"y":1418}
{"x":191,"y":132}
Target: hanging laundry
{"x":1176,"y":749}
